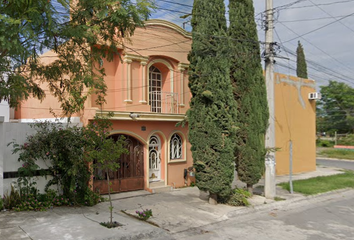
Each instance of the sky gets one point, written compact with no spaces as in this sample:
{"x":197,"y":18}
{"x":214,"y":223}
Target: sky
{"x":324,"y":27}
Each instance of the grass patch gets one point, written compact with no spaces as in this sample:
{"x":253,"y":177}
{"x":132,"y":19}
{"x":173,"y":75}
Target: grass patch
{"x":338,"y":153}
{"x":322,"y":184}
{"x":279,"y":199}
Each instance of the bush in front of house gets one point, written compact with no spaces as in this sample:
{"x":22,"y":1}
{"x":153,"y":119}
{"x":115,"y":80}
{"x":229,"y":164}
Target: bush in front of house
{"x":66,"y":150}
{"x":62,"y":148}
{"x":239,"y":197}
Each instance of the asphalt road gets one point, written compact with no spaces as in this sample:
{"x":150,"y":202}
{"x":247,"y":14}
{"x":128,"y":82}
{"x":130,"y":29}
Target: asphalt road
{"x":329,"y":219}
{"x":336,"y":163}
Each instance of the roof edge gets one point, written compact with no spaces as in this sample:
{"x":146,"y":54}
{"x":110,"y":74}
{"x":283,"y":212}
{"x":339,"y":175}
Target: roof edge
{"x":160,"y":22}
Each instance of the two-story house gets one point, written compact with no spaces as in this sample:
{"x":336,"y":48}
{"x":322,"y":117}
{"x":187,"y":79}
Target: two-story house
{"x":148,"y":94}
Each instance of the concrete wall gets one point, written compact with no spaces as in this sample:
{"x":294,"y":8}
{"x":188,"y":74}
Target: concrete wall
{"x":5,"y":111}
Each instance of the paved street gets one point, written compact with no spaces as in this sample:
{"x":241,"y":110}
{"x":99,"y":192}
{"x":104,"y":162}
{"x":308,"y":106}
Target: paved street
{"x":346,"y":164}
{"x":186,"y":214}
{"x":330,"y":219}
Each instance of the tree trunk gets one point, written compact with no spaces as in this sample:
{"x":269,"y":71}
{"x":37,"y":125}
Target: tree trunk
{"x":250,"y":188}
{"x":213,"y":199}
{"x":110,"y":200}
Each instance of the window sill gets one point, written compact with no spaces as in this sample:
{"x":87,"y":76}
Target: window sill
{"x":177,"y":160}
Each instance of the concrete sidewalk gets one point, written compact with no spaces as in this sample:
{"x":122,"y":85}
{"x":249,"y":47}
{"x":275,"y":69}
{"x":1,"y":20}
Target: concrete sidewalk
{"x":173,"y":212}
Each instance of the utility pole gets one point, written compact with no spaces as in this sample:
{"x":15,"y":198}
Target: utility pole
{"x":269,"y":188}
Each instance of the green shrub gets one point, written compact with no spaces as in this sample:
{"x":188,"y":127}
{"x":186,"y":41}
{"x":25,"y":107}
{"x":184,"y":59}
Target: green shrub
{"x":239,"y":197}
{"x":35,"y":202}
{"x":324,"y":143}
{"x":145,"y":214}
{"x":338,"y":153}
{"x":11,"y":200}
{"x":62,"y":147}
{"x":1,"y":204}
{"x":31,"y":203}
{"x":348,"y":140}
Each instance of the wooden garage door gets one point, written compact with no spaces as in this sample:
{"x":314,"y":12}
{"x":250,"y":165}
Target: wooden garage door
{"x":130,"y":175}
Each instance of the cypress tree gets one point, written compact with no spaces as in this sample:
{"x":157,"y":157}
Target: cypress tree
{"x":301,"y":66}
{"x":249,"y":92}
{"x":212,"y":107}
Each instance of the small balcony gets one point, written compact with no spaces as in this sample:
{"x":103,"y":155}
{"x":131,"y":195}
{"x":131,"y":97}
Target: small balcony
{"x":163,"y":102}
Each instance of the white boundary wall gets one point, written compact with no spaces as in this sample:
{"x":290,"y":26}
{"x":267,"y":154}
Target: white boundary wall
{"x":17,"y":132}
{"x":5,"y":111}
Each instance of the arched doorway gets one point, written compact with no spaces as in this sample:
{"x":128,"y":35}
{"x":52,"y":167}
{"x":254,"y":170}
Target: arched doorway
{"x":130,"y":175}
{"x":154,"y":158}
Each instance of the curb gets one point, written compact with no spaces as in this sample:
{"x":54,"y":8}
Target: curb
{"x":334,"y":159}
{"x":291,"y":203}
{"x":155,"y":234}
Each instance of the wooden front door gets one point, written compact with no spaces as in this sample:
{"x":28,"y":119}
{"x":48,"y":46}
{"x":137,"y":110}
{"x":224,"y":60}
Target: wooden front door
{"x":130,"y":175}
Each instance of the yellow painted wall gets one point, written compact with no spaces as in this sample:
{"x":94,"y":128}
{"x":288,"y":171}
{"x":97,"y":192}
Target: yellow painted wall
{"x":295,"y":119}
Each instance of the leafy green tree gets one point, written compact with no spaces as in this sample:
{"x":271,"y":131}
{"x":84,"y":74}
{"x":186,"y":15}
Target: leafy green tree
{"x":90,"y":33}
{"x":336,"y":108}
{"x":62,"y":148}
{"x":249,"y":91}
{"x":301,"y":66}
{"x":212,"y":107}
{"x":106,"y":153}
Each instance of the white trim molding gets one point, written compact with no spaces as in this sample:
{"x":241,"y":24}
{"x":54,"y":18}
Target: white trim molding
{"x":159,"y":22}
{"x":182,"y":67}
{"x":128,"y":62}
{"x":144,"y":116}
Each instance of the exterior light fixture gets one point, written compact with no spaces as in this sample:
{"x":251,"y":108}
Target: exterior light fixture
{"x":133,"y":116}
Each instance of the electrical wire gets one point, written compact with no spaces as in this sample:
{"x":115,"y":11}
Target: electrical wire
{"x":322,"y":4}
{"x":333,"y":58}
{"x":326,"y":25}
{"x":311,"y":19}
{"x":176,"y":3}
{"x":332,"y":15}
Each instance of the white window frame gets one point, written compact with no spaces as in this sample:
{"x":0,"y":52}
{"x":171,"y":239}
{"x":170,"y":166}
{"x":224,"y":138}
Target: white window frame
{"x":181,"y":156}
{"x":176,"y":145}
{"x":155,"y":89}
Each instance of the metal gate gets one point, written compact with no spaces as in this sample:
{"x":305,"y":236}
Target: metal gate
{"x":130,"y":175}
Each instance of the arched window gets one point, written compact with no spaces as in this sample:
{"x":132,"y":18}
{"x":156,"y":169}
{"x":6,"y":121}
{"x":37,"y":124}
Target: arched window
{"x":176,"y":147}
{"x":155,"y":87}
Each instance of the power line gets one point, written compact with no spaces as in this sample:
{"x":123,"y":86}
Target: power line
{"x":314,"y":30}
{"x":349,"y":68}
{"x":311,"y":19}
{"x":171,"y":10}
{"x":286,"y":6}
{"x":322,"y":68}
{"x":322,"y":4}
{"x":331,"y":15}
{"x":176,"y":3}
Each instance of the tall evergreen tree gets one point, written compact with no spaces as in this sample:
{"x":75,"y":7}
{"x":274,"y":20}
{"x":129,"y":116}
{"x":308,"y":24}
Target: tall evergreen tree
{"x":212,"y":107}
{"x":301,"y":66}
{"x":249,"y":92}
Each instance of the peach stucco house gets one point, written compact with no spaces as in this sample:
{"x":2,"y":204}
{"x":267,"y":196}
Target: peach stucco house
{"x":148,"y":94}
